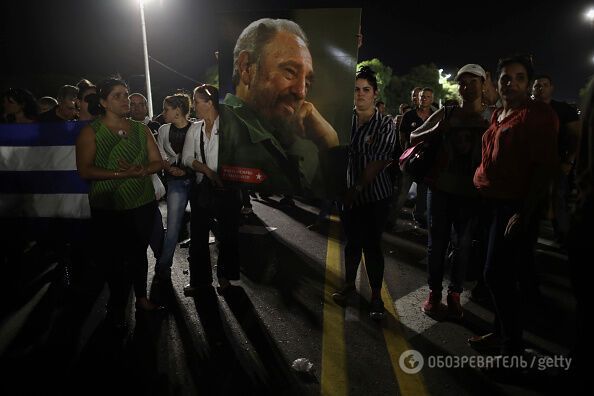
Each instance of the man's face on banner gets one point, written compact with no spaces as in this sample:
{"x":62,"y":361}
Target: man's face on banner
{"x":282,"y":79}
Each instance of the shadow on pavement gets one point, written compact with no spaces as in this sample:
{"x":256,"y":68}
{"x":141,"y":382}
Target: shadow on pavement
{"x":280,"y":379}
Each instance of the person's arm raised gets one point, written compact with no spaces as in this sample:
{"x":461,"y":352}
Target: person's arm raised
{"x":308,"y":123}
{"x":433,"y":125}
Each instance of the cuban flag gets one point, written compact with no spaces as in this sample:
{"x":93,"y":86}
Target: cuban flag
{"x":38,"y":176}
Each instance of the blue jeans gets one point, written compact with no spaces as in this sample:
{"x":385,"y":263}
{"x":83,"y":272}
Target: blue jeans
{"x":177,"y":199}
{"x":445,"y":211}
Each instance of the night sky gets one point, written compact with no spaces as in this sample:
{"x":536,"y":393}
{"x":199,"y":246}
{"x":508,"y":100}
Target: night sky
{"x":44,"y":44}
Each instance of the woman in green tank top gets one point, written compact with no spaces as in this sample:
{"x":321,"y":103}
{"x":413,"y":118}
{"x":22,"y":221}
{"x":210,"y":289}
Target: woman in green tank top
{"x":118,"y":155}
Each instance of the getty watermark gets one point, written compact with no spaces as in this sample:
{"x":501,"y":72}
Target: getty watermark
{"x":412,"y":361}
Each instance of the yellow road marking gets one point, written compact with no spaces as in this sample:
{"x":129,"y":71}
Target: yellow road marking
{"x":334,"y":374}
{"x":409,"y":384}
{"x":334,"y":371}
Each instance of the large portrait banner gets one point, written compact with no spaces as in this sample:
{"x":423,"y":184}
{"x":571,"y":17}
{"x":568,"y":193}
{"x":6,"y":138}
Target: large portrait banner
{"x":287,"y":81}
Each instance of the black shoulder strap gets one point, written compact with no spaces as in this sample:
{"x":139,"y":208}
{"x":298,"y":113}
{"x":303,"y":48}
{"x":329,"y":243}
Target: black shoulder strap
{"x":202,"y":146}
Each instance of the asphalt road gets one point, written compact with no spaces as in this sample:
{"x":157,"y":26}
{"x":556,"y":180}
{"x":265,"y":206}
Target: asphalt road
{"x":245,"y":341}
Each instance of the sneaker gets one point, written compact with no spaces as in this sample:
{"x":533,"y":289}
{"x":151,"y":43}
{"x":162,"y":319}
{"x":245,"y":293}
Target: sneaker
{"x":224,"y":285}
{"x":146,"y":305}
{"x":185,"y":244}
{"x":190,"y":291}
{"x":116,"y":320}
{"x":480,"y":294}
{"x":315,"y":226}
{"x":377,"y":311}
{"x":420,"y":223}
{"x":485,"y":342}
{"x":433,"y":304}
{"x":454,"y":307}
{"x":287,"y":201}
{"x":341,"y":296}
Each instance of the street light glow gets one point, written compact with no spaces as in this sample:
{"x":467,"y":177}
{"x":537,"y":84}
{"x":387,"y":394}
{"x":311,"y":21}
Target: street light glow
{"x":147,"y":75}
{"x":142,"y":2}
{"x":590,"y":14}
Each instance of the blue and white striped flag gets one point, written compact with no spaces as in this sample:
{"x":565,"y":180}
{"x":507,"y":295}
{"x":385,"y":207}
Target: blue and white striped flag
{"x":38,"y":176}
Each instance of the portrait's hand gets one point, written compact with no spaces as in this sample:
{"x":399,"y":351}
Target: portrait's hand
{"x":308,"y":123}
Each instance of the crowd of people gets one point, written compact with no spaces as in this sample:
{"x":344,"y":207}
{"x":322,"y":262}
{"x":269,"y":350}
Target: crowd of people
{"x":507,"y":152}
{"x":506,"y":161}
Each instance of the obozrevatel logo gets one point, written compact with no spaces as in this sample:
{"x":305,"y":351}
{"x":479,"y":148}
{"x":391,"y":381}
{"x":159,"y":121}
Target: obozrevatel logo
{"x":411,"y":361}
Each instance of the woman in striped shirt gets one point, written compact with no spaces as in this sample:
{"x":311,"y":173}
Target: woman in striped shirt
{"x":366,"y":202}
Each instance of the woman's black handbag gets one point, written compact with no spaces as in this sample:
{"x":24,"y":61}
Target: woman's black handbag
{"x":205,"y":194}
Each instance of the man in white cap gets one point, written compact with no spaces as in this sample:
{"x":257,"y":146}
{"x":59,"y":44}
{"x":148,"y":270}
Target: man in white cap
{"x":452,"y":199}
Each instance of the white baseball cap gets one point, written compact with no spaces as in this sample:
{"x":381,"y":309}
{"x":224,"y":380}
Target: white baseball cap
{"x":472,"y":68}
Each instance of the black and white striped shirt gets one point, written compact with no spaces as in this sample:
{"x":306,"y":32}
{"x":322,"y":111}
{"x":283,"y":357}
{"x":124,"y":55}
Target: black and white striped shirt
{"x":372,"y":141}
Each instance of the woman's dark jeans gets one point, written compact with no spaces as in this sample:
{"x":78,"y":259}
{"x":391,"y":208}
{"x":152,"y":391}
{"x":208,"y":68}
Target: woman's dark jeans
{"x":444,"y":211}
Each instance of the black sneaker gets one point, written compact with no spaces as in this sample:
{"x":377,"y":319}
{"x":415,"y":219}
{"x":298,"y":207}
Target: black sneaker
{"x":377,"y":311}
{"x":422,"y":224}
{"x":190,"y":291}
{"x":287,"y":201}
{"x":341,"y":296}
{"x":480,"y":294}
{"x":486,"y":343}
{"x":185,"y":243}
